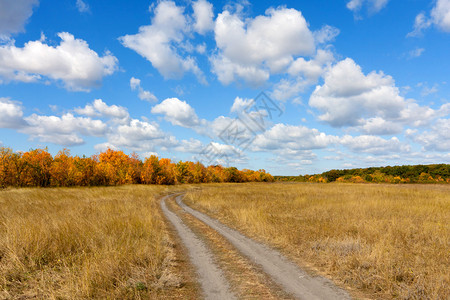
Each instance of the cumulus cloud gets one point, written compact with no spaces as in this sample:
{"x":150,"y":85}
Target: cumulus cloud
{"x":11,"y":114}
{"x":283,"y":137}
{"x":70,"y":129}
{"x":439,"y":16}
{"x":98,"y":108}
{"x":190,"y":146}
{"x":347,"y":95}
{"x":438,"y":139}
{"x":240,"y":104}
{"x":216,"y":153}
{"x":135,"y":84}
{"x":369,"y":102}
{"x":203,"y":15}
{"x":64,"y":130}
{"x":72,"y":62}
{"x":227,"y":71}
{"x":177,"y":112}
{"x":158,"y":42}
{"x":373,"y":6}
{"x":379,"y":126}
{"x":326,"y":34}
{"x":139,"y":135}
{"x":252,"y":48}
{"x":14,"y":15}
{"x":82,"y":6}
{"x":374,"y":144}
{"x":304,"y":73}
{"x":421,"y":23}
{"x":312,"y":69}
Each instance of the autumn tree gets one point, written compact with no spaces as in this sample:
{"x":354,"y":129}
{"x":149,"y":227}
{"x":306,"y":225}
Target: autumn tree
{"x":35,"y":165}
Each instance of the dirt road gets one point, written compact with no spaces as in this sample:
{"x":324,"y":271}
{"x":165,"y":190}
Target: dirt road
{"x":211,"y":279}
{"x":286,"y":274}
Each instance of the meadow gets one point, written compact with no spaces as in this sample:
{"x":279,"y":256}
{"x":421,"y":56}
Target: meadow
{"x":84,"y":243}
{"x":379,"y":241}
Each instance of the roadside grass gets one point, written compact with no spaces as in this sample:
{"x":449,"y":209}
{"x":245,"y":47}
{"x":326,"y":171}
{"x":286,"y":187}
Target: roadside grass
{"x":80,"y":243}
{"x":384,"y":241}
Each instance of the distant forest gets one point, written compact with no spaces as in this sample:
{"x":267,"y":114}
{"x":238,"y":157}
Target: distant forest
{"x":439,"y":173}
{"x":39,"y":168}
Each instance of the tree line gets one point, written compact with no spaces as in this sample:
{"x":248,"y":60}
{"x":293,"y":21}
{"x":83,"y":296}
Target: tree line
{"x":38,"y":168}
{"x":436,"y":173}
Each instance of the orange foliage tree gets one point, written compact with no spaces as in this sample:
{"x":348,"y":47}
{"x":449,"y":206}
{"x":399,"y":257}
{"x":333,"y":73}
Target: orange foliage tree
{"x":38,"y":168}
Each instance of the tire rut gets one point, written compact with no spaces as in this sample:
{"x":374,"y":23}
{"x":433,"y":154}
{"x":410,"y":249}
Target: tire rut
{"x":288,"y":275}
{"x":211,"y":278}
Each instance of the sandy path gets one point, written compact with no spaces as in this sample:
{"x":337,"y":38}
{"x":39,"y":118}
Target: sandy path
{"x":288,"y":275}
{"x":212,"y":281}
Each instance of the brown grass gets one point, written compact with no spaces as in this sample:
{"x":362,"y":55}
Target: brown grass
{"x":386,"y":241}
{"x":80,"y":243}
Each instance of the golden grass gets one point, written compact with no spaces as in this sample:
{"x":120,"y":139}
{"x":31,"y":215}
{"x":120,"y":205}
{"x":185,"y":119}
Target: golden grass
{"x":80,"y":243}
{"x":386,"y":241}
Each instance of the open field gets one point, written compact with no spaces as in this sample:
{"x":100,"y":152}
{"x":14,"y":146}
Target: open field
{"x":79,"y":243}
{"x":382,"y":240}
{"x":377,"y":241}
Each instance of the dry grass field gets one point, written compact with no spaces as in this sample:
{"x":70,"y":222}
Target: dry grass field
{"x":388,"y":241}
{"x":84,"y":243}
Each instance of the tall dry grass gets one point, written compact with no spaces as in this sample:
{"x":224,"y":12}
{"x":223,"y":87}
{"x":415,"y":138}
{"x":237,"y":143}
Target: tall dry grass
{"x":387,"y":241}
{"x":80,"y":243}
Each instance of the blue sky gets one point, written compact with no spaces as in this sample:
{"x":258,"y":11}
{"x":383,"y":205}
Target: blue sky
{"x":352,"y":83}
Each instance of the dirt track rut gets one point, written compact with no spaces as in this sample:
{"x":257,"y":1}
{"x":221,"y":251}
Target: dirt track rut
{"x":212,"y":281}
{"x":286,"y":274}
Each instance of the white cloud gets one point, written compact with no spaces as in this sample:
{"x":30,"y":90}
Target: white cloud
{"x":252,"y":48}
{"x":227,"y":71}
{"x":283,"y":137}
{"x":421,"y":23}
{"x":177,"y":112}
{"x":371,"y":103}
{"x":304,"y":73}
{"x":14,"y":14}
{"x":379,"y":126}
{"x":217,"y":153}
{"x":139,"y":135}
{"x":64,"y":130}
{"x":415,"y":53}
{"x":313,"y":68}
{"x":438,"y":139}
{"x":203,"y":15}
{"x":373,"y":6}
{"x":426,"y":90}
{"x":82,"y":6}
{"x":157,"y":42}
{"x":374,"y":144}
{"x":326,"y":34}
{"x":240,"y":104}
{"x":11,"y":115}
{"x":135,"y":84}
{"x":190,"y":146}
{"x":439,"y":16}
{"x":347,"y":95}
{"x":98,"y":108}
{"x":72,"y":62}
